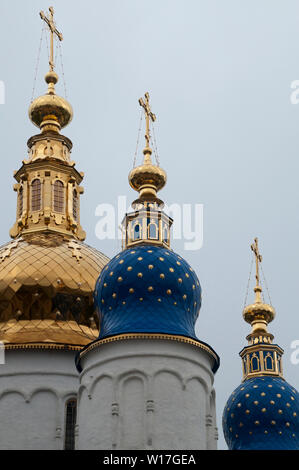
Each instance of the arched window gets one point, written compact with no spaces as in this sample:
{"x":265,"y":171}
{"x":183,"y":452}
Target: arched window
{"x":20,"y":206}
{"x":137,"y":231}
{"x":152,"y":230}
{"x":269,"y":362}
{"x":255,"y":363}
{"x":58,"y":197}
{"x":36,"y":195}
{"x":75,"y":205}
{"x":70,"y":423}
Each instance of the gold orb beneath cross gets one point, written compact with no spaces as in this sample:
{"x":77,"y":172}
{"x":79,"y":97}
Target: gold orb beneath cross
{"x":50,"y":111}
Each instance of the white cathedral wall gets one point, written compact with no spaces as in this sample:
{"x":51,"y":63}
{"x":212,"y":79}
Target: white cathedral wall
{"x":146,"y":394}
{"x":34,"y":388}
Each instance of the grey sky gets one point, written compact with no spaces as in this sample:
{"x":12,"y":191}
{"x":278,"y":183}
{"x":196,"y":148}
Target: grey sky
{"x":219,"y":76}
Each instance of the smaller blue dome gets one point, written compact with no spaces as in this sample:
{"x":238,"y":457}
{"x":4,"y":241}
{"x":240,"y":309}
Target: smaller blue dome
{"x":262,"y":414}
{"x":147,"y":289}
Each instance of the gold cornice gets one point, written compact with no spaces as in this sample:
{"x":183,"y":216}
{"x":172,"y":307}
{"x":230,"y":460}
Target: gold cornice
{"x":151,"y":336}
{"x":259,"y":347}
{"x":56,"y":346}
{"x":262,"y":374}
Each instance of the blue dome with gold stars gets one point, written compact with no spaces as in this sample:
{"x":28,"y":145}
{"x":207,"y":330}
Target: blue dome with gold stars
{"x":147,"y":289}
{"x":262,"y":414}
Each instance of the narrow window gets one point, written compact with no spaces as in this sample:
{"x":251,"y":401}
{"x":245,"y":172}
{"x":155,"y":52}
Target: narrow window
{"x":20,"y":202}
{"x":36,"y":195}
{"x":58,"y":196}
{"x":269,"y":362}
{"x":70,"y":423}
{"x":255,"y":363}
{"x":75,"y":205}
{"x":152,"y":230}
{"x":137,"y":231}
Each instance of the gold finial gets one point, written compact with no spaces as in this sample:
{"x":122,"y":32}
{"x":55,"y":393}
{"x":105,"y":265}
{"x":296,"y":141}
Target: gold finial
{"x":258,"y":313}
{"x":50,"y":22}
{"x":147,"y":178}
{"x":51,"y":112}
{"x":148,"y":116}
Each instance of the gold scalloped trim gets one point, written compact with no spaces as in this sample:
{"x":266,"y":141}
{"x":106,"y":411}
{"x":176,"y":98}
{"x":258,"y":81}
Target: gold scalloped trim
{"x":128,"y":336}
{"x":65,"y":347}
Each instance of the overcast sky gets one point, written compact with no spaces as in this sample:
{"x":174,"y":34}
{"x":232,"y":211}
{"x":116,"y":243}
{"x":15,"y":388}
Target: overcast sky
{"x":219,"y":74}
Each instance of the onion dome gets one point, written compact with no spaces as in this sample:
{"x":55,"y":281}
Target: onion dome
{"x":50,"y":112}
{"x":147,"y":179}
{"x":148,"y":290}
{"x":46,"y":291}
{"x":262,"y":413}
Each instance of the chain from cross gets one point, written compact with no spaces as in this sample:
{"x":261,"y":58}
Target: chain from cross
{"x":50,"y":22}
{"x":148,"y":116}
{"x":258,"y":259}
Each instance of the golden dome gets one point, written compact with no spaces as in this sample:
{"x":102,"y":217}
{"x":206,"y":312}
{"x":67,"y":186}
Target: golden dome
{"x":147,"y":178}
{"x":46,"y":291}
{"x":50,"y":111}
{"x":258,"y":311}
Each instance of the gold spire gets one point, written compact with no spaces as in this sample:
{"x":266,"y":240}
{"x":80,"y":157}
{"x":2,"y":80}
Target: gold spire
{"x":147,"y":178}
{"x":260,"y":357}
{"x":48,"y":184}
{"x":258,"y":314}
{"x":148,"y":224}
{"x":51,"y":112}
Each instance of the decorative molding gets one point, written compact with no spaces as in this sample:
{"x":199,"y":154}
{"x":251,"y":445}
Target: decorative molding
{"x":155,"y":336}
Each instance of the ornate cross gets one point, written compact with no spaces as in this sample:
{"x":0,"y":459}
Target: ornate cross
{"x":148,"y":115}
{"x":50,"y":22}
{"x":258,"y":259}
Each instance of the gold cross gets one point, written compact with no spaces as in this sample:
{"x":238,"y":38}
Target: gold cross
{"x":148,"y":115}
{"x":50,"y":22}
{"x":258,"y":259}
